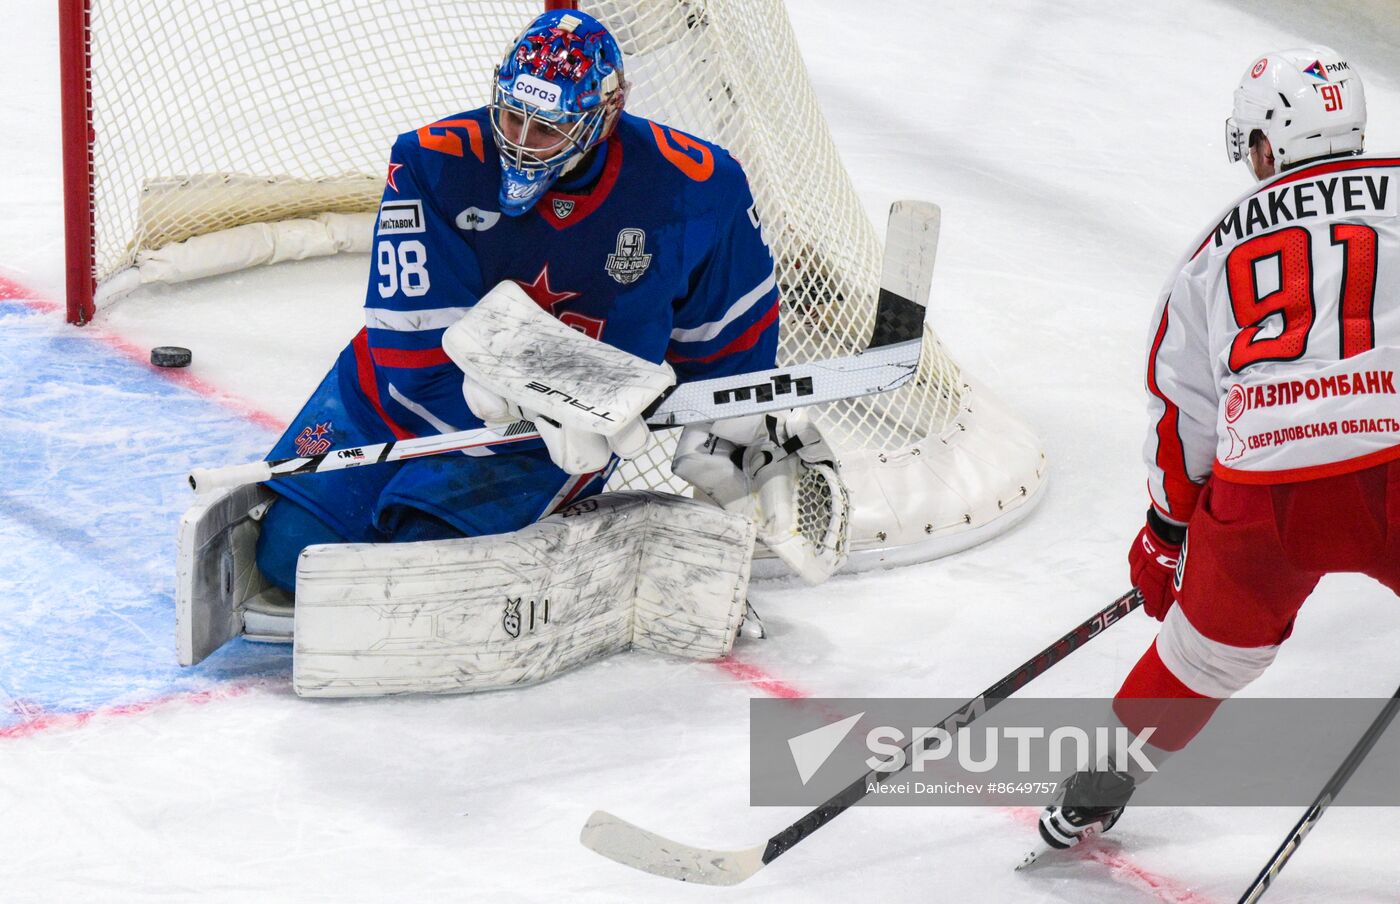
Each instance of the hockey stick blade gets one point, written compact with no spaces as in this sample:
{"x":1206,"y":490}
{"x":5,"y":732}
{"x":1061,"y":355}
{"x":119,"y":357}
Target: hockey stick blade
{"x":906,"y":272}
{"x":640,"y":849}
{"x":619,"y":840}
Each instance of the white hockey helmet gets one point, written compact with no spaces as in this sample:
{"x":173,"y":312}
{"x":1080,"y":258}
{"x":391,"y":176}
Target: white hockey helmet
{"x":1308,"y":102}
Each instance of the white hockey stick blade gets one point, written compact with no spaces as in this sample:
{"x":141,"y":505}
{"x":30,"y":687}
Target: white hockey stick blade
{"x":619,"y":840}
{"x":906,"y":272}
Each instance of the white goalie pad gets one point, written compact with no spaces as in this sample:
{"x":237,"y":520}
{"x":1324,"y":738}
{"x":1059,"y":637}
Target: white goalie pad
{"x":511,"y":346}
{"x":450,"y":616}
{"x":217,"y":582}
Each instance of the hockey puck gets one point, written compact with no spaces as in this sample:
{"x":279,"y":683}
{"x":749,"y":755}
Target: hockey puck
{"x":171,"y":356}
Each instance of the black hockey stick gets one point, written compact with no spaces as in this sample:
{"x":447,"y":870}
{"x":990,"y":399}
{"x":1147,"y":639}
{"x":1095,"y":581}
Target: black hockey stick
{"x":632,"y":846}
{"x":1305,"y":823}
{"x":890,"y":361}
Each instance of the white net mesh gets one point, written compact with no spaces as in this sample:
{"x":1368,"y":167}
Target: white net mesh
{"x":822,"y":510}
{"x":730,"y":71}
{"x":213,"y":113}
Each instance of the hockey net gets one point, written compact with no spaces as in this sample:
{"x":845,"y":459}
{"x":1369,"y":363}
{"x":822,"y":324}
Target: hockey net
{"x":226,"y":133}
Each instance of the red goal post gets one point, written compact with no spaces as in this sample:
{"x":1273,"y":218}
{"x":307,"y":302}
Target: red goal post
{"x":73,"y":60}
{"x":206,"y":136}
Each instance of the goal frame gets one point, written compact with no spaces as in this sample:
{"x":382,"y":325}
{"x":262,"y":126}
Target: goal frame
{"x":79,"y":216}
{"x":935,"y":467}
{"x":79,"y":224}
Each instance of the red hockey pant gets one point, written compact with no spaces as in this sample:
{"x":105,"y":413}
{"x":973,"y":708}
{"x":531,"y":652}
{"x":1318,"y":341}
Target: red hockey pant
{"x":1253,"y":554}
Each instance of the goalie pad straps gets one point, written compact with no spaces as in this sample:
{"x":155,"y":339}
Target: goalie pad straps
{"x":646,"y":569}
{"x":517,"y":358}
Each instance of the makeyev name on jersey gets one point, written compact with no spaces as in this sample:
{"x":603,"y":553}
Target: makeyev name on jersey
{"x":1323,"y":197}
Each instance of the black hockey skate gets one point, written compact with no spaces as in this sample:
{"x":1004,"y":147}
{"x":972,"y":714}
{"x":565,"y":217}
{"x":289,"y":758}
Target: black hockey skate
{"x":1086,"y":804}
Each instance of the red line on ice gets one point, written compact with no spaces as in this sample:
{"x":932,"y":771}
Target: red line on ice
{"x":14,"y":291}
{"x":773,"y":687}
{"x":51,"y":721}
{"x":1120,"y":866}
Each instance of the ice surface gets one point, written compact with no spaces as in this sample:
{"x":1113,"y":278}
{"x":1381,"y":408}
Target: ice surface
{"x":1075,"y":147}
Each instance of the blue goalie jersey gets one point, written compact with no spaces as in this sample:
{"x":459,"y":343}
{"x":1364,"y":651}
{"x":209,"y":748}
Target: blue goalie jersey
{"x":655,"y":249}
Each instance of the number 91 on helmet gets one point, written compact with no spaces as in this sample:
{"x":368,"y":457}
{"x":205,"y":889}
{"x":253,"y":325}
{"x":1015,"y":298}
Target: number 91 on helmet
{"x":556,"y":96}
{"x":1308,"y":103}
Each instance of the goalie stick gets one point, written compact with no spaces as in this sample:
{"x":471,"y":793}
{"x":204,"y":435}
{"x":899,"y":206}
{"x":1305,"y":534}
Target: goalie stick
{"x":890,"y":361}
{"x":633,"y":846}
{"x":1329,"y":792}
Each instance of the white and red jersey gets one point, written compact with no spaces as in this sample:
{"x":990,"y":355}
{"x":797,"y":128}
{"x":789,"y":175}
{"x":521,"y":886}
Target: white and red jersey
{"x":1275,"y":345}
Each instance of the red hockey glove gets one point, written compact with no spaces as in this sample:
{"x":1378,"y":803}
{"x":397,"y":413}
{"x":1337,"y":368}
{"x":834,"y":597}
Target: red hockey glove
{"x":1152,"y":562}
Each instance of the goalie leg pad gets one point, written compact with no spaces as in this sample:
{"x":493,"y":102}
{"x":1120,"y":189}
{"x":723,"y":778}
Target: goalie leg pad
{"x":478,"y":613}
{"x":693,"y":579}
{"x":215,"y":571}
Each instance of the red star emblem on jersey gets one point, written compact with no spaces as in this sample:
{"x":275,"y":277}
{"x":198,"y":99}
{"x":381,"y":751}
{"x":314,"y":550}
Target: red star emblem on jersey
{"x":543,"y":295}
{"x":393,"y":170}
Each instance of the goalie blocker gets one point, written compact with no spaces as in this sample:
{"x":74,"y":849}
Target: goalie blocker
{"x":642,"y":569}
{"x":585,"y":397}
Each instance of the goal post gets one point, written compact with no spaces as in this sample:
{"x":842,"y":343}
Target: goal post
{"x":73,"y":62}
{"x":207,"y":136}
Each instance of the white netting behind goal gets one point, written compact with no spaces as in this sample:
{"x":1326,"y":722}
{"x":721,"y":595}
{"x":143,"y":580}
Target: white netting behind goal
{"x":216,"y":114}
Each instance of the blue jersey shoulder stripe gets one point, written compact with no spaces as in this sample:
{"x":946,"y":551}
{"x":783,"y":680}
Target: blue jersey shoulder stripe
{"x":707,"y":331}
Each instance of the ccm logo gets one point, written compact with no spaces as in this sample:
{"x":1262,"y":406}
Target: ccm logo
{"x":551,"y":391}
{"x":765,"y":392}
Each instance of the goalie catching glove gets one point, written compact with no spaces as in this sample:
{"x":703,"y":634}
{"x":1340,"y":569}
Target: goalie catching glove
{"x":777,"y":470}
{"x":585,"y":397}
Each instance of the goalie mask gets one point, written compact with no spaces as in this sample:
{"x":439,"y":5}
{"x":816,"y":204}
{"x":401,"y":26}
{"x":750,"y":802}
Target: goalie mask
{"x":555,"y":97}
{"x":1309,"y":103}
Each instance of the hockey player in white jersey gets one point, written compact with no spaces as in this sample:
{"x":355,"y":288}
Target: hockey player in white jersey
{"x":1273,"y":449}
